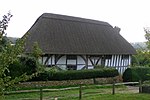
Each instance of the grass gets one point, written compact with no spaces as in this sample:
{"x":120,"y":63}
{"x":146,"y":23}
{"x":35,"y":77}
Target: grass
{"x":15,"y":88}
{"x":90,"y":92}
{"x":74,"y":96}
{"x":114,"y":97}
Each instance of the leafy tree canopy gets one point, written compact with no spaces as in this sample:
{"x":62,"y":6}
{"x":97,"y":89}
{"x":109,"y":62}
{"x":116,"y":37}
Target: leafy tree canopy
{"x":147,"y":36}
{"x":143,"y":55}
{"x":10,"y":54}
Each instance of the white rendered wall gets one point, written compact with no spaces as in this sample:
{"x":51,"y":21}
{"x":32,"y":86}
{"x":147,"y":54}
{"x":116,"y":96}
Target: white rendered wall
{"x":115,"y":61}
{"x":80,"y":60}
{"x":62,"y":60}
{"x":80,"y":63}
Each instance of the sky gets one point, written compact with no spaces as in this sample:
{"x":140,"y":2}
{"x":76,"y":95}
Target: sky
{"x":130,"y":15}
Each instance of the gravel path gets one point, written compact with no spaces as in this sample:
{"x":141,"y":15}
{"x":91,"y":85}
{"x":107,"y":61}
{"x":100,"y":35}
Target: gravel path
{"x":133,"y":89}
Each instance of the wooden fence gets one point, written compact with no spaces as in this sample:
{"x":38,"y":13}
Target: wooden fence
{"x":80,"y":88}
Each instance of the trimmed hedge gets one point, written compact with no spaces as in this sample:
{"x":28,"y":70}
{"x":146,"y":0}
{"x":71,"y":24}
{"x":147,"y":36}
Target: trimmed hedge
{"x":76,"y":74}
{"x":136,"y":73}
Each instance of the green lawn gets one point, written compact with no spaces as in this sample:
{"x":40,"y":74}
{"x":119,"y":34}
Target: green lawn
{"x":115,"y":97}
{"x":70,"y":96}
{"x":89,"y":93}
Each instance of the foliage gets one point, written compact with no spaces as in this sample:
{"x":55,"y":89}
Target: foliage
{"x":136,"y":74}
{"x":8,"y":56}
{"x":77,"y":74}
{"x":146,"y":83}
{"x":36,"y":54}
{"x":4,"y":24}
{"x":143,"y":55}
{"x":147,"y":36}
{"x":16,"y":66}
{"x":142,"y":58}
{"x":36,"y":51}
{"x":98,"y":66}
{"x":13,"y":67}
{"x":53,"y":69}
{"x":23,"y":65}
{"x":3,"y":42}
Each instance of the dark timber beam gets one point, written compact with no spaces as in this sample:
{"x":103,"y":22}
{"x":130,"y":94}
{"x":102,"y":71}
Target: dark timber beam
{"x":85,"y":60}
{"x":91,"y":61}
{"x":57,"y":57}
{"x":98,"y":60}
{"x":47,"y":59}
{"x":86,"y":63}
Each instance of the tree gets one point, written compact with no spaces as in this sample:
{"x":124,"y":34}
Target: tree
{"x":147,"y":37}
{"x":3,"y":27}
{"x":4,"y":24}
{"x":36,"y":51}
{"x":8,"y":55}
{"x":142,"y":58}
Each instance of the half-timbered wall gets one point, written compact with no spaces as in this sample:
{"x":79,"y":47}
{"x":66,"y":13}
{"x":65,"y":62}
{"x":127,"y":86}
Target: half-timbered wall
{"x":120,"y":62}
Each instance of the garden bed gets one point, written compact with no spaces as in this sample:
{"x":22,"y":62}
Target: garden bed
{"x":69,"y":82}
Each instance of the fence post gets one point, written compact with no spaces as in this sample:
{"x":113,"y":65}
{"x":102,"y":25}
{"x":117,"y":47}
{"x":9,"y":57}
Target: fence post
{"x":41,"y":93}
{"x":113,"y":87}
{"x":140,"y":86}
{"x":94,"y":81}
{"x":80,"y":92}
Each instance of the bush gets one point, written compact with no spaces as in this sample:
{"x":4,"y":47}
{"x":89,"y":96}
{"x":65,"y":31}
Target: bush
{"x":76,"y":74}
{"x":29,"y":64}
{"x":26,"y":65}
{"x":98,"y":66}
{"x":53,"y":69}
{"x":136,"y":73}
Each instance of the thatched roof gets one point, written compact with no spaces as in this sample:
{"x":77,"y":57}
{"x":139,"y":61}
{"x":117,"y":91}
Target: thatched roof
{"x":60,"y":34}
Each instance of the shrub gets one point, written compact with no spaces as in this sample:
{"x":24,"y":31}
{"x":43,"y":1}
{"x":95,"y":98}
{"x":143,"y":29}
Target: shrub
{"x":26,"y":65}
{"x":98,"y":66}
{"x":136,"y":74}
{"x":53,"y":69}
{"x":15,"y":69}
{"x":29,"y":64}
{"x":77,"y":74}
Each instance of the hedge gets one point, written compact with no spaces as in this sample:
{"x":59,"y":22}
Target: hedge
{"x":76,"y":74}
{"x":136,"y":73}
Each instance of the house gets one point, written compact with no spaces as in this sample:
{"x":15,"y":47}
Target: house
{"x":78,"y":43}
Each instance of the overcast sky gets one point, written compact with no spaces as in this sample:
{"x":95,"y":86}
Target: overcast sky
{"x":130,"y":15}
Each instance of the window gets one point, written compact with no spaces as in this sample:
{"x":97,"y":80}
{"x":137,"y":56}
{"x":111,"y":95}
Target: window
{"x":108,"y":56}
{"x":125,"y":57}
{"x":71,"y":67}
